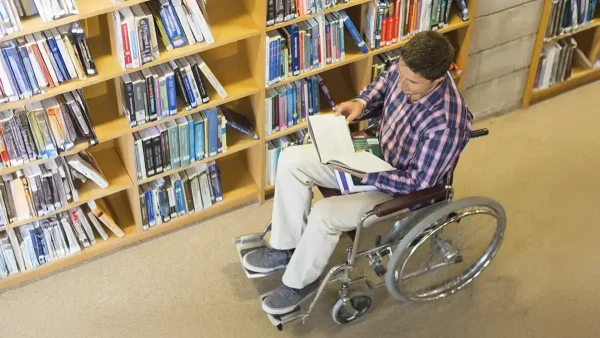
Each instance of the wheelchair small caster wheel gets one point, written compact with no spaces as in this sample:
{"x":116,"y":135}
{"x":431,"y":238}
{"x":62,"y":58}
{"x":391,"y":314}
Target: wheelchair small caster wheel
{"x":358,"y":305}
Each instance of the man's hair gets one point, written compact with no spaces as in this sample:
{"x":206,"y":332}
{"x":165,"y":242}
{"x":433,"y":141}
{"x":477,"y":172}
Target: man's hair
{"x":428,"y":54}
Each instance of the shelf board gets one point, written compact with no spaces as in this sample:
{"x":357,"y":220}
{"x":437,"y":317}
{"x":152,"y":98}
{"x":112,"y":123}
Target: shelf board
{"x":595,"y":22}
{"x":239,"y":144}
{"x":238,"y":188}
{"x":306,"y":17}
{"x":578,"y":77}
{"x":86,"y":9}
{"x":115,"y":173}
{"x":226,"y":28}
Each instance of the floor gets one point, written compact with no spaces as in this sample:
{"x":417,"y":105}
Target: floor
{"x":542,"y":164}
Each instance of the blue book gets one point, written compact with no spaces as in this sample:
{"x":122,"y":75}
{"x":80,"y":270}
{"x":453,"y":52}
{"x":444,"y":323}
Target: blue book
{"x":215,"y":180}
{"x":24,"y":55}
{"x":191,"y":139}
{"x":293,"y":30}
{"x":188,"y":88}
{"x":172,"y":25}
{"x":295,"y":103}
{"x":213,"y":131}
{"x":179,"y":197}
{"x":354,"y":32}
{"x":14,"y":72}
{"x":199,"y":136}
{"x":290,"y":105}
{"x":271,"y":61}
{"x":149,"y":207}
{"x":278,"y":60}
{"x":57,"y":57}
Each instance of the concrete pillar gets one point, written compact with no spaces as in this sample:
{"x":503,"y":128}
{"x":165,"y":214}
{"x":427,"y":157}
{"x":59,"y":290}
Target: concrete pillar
{"x":501,"y":49}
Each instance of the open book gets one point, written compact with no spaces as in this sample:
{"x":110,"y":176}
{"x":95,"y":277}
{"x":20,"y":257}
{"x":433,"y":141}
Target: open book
{"x":331,"y":137}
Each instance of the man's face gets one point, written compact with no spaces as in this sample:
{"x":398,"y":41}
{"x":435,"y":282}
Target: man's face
{"x":413,"y":84}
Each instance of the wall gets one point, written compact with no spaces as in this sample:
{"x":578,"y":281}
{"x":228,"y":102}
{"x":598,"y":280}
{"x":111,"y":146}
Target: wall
{"x":501,"y":48}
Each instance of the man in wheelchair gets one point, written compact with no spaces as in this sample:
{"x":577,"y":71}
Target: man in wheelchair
{"x":424,"y":126}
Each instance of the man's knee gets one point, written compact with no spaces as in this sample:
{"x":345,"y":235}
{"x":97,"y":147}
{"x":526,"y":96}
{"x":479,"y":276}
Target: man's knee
{"x":323,"y":215}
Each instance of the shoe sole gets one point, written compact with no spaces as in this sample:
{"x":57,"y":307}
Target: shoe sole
{"x":288,"y":309}
{"x":258,"y":269}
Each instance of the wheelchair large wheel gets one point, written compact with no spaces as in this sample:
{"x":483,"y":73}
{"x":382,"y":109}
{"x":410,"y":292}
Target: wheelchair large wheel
{"x":439,"y":255}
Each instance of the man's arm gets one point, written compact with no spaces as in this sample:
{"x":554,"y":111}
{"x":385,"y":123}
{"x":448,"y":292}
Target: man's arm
{"x":373,"y":95}
{"x":435,"y":155}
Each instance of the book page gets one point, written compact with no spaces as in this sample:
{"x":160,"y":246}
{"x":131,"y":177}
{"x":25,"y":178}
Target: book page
{"x":361,"y":162}
{"x":330,"y":135}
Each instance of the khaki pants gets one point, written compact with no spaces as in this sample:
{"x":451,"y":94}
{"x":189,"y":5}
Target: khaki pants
{"x":313,"y":233}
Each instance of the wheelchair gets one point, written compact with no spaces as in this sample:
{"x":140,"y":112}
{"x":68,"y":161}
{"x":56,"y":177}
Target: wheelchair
{"x":424,"y":223}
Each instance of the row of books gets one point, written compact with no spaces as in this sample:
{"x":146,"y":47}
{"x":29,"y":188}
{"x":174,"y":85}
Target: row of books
{"x":31,"y":64}
{"x":180,"y":142}
{"x":390,"y":21}
{"x":42,"y":189}
{"x":555,"y":63}
{"x":151,"y":94}
{"x":569,"y":15}
{"x":279,"y":11}
{"x":307,"y":45}
{"x":44,"y":129}
{"x":34,"y":244}
{"x":179,"y":194}
{"x":383,"y":61}
{"x":274,"y":149}
{"x":176,"y":23}
{"x":292,"y":103}
{"x":11,"y":12}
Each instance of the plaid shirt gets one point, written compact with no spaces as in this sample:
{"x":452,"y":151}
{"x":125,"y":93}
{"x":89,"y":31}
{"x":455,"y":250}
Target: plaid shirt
{"x":422,"y":139}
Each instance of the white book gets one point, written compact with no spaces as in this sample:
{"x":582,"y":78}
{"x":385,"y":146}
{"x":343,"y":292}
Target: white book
{"x":86,"y":164}
{"x":118,"y":25}
{"x":192,"y":20}
{"x":37,"y":69}
{"x":200,"y":20}
{"x":178,"y":6}
{"x":139,"y":153}
{"x":210,"y":76}
{"x":7,"y":83}
{"x":40,"y":40}
{"x":86,"y":225}
{"x":331,"y":137}
{"x":64,"y":53}
{"x":129,"y":18}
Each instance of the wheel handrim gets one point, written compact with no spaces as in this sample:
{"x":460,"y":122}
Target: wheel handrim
{"x":441,"y":247}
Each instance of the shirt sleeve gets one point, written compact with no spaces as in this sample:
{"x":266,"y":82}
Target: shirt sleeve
{"x":373,"y":95}
{"x":436,"y":153}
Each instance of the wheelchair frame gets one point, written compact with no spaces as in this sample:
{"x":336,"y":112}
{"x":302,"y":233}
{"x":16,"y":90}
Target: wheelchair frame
{"x":406,"y":212}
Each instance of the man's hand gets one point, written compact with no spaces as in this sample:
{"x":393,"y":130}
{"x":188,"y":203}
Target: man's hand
{"x":350,"y":109}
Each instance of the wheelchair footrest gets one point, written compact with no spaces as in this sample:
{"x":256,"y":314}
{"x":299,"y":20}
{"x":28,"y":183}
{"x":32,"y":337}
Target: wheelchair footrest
{"x":244,"y":246}
{"x":278,"y":320}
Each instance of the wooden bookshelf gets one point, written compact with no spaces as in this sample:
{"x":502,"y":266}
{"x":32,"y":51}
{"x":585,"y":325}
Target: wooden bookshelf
{"x":237,"y":58}
{"x":579,"y":76}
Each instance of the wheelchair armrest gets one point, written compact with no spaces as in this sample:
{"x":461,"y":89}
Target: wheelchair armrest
{"x":409,"y":201}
